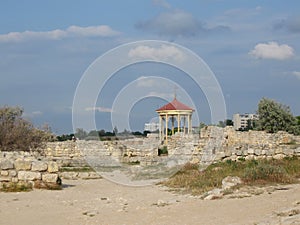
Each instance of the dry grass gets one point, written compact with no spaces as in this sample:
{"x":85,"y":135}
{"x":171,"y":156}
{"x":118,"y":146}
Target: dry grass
{"x":16,"y":187}
{"x":254,"y":172}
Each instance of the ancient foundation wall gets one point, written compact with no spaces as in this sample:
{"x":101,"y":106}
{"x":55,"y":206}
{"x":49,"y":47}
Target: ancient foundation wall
{"x":212,"y":145}
{"x":27,"y":169}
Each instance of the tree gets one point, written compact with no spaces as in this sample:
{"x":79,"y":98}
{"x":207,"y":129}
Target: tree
{"x":274,"y":116}
{"x":80,"y":133}
{"x":115,"y":130}
{"x":228,"y":122}
{"x":18,"y":134}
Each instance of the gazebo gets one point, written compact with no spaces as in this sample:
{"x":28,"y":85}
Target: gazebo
{"x":178,"y":111}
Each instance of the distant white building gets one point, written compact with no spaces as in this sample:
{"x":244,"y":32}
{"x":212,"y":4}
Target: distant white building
{"x":243,"y":121}
{"x":152,"y":127}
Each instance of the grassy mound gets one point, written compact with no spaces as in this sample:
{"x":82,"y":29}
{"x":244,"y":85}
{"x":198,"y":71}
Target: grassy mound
{"x":253,"y":172}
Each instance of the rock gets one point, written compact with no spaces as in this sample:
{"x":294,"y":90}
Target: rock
{"x":4,"y":173}
{"x":39,"y":166}
{"x":13,"y":173}
{"x":5,"y":178}
{"x":69,"y":175}
{"x":22,"y":165}
{"x":250,"y":151}
{"x":6,"y":164}
{"x":161,"y":203}
{"x":52,"y":167}
{"x":249,"y":157}
{"x":50,"y":177}
{"x":278,"y":156}
{"x":94,"y":175}
{"x":29,"y":175}
{"x":83,"y":175}
{"x":229,"y":182}
{"x":214,"y":194}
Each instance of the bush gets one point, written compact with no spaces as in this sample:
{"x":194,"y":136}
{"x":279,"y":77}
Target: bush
{"x":18,"y":134}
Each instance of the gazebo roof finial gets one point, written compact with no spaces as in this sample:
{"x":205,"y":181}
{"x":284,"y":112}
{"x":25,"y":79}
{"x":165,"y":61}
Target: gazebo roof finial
{"x":175,"y":90}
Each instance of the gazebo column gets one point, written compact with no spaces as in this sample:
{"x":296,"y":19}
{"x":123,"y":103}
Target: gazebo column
{"x":189,"y":123}
{"x":178,"y":123}
{"x":184,"y":123}
{"x":166,"y":128}
{"x":172,"y":120}
{"x":160,"y":127}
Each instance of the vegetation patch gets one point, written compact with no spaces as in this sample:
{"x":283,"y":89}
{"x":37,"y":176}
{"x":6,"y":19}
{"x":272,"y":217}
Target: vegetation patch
{"x":253,"y":172}
{"x":76,"y":169}
{"x":16,"y":187}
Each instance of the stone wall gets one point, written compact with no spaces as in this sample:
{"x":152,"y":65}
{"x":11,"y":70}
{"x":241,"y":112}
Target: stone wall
{"x":213,"y":144}
{"x":28,"y":169}
{"x":232,"y":145}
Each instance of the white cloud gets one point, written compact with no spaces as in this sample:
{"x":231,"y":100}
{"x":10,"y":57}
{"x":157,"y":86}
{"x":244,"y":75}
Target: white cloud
{"x":296,"y":74}
{"x":161,"y":95}
{"x":272,"y":50}
{"x":164,"y":52}
{"x":99,"y":109}
{"x":146,"y":82}
{"x":72,"y":31}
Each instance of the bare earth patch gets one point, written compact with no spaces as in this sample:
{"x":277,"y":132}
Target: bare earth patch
{"x":102,"y":202}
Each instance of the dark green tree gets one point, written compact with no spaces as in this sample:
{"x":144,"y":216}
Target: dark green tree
{"x":274,"y":117}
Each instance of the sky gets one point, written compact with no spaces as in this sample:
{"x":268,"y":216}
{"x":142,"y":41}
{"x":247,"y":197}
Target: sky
{"x":46,"y":47}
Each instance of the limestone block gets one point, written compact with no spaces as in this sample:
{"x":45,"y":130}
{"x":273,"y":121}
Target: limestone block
{"x":50,"y":177}
{"x":22,"y":164}
{"x":5,"y":178}
{"x":4,"y":173}
{"x":13,"y":173}
{"x":239,"y":153}
{"x":278,"y":151}
{"x":6,"y":164}
{"x":29,"y":175}
{"x":249,"y":157}
{"x":69,"y":175}
{"x":84,"y":175}
{"x":288,"y":151}
{"x":250,"y":151}
{"x":39,"y":166}
{"x":270,"y":152}
{"x":257,"y":152}
{"x":52,"y":167}
{"x":278,"y":156}
{"x":14,"y":180}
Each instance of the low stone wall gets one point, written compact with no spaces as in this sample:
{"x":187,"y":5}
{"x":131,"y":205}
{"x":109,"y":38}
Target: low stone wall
{"x":213,"y":144}
{"x":25,"y":168}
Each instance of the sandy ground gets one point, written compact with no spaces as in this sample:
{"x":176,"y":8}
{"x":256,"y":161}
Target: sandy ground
{"x":103,"y":202}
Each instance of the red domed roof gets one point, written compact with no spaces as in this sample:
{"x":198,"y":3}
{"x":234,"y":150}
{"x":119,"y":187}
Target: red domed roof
{"x":174,"y":105}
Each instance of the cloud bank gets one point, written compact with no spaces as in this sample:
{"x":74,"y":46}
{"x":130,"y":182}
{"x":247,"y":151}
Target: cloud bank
{"x":272,"y":50}
{"x":178,"y":23}
{"x":99,"y":109}
{"x":72,"y":31}
{"x":164,"y":52}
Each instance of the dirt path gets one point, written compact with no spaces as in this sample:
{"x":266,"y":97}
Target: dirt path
{"x":102,"y":202}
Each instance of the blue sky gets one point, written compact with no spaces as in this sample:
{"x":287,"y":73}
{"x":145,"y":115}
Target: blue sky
{"x":252,"y":47}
